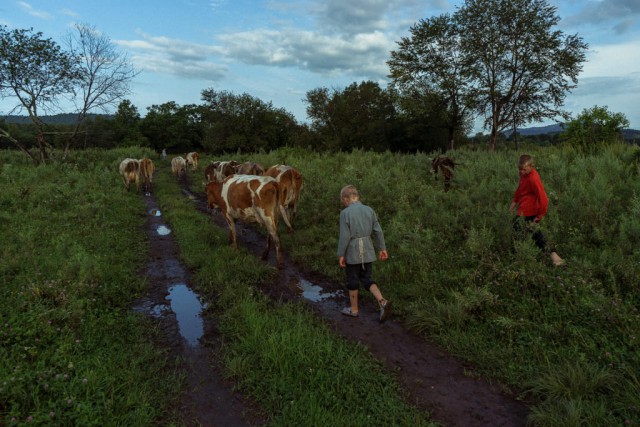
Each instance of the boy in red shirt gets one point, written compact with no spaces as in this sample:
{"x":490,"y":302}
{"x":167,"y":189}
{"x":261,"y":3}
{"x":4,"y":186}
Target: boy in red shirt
{"x":532,"y":203}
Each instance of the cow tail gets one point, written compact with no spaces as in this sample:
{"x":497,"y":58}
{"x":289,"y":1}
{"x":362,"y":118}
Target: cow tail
{"x":280,"y":196}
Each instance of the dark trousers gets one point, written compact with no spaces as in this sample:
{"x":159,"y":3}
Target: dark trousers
{"x":524,"y":224}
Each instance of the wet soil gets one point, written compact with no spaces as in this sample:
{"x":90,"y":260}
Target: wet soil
{"x":433,"y":380}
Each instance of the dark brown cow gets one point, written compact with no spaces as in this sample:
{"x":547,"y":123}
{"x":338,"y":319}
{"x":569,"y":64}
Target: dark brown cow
{"x":146,"y":174}
{"x":130,"y":169}
{"x":446,"y":166}
{"x":290,"y":182}
{"x":249,"y":198}
{"x":250,"y":168}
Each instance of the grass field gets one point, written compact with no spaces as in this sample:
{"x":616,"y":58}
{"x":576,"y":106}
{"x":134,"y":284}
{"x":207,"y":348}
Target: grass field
{"x":73,"y":353}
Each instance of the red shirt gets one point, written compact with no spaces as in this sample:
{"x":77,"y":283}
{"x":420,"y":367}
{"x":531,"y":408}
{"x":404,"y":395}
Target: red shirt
{"x":530,"y":196}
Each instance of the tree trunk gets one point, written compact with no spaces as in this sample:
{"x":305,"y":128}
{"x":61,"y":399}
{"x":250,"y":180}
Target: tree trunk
{"x":21,"y":147}
{"x":492,"y":140}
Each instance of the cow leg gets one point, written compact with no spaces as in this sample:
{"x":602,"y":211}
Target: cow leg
{"x":232,"y":233}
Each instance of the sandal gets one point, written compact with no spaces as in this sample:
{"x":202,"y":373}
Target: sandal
{"x":347,"y":312}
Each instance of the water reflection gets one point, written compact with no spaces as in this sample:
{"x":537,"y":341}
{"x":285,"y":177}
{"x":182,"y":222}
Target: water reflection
{"x":314,"y":292}
{"x":187,"y":307}
{"x":155,"y":212}
{"x":163,"y":230}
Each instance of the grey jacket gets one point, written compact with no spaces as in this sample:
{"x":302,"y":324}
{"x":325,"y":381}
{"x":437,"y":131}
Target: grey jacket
{"x":358,"y":223}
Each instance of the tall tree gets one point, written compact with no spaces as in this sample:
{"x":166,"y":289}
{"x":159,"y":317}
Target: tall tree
{"x":521,"y":66}
{"x":362,"y":115}
{"x":126,"y":124}
{"x":430,"y":64}
{"x":105,"y":74}
{"x":172,"y":127}
{"x":37,"y":72}
{"x":243,"y":123}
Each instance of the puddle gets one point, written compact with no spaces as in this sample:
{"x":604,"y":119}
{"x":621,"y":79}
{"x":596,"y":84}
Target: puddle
{"x":187,"y":307}
{"x":163,"y":230}
{"x":155,"y":212}
{"x":314,"y":292}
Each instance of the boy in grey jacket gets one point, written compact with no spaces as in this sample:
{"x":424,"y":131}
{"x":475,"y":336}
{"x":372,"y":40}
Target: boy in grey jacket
{"x":356,"y":250}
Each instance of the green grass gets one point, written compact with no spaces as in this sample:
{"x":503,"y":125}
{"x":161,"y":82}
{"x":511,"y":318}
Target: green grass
{"x":567,"y":339}
{"x":71,"y":350}
{"x":460,"y":276}
{"x":280,"y":355}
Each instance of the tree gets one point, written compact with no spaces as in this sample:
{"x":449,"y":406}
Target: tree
{"x":104,"y":73}
{"x":594,"y":128}
{"x":521,"y":67}
{"x":243,"y":123}
{"x":430,"y":64}
{"x":126,"y":125}
{"x":36,"y":71}
{"x":172,"y":127}
{"x":363,"y":115}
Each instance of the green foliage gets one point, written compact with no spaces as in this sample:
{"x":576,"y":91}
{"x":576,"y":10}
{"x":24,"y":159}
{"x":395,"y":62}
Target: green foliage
{"x":71,"y":350}
{"x":280,"y":355}
{"x":533,"y":65}
{"x":595,"y":128}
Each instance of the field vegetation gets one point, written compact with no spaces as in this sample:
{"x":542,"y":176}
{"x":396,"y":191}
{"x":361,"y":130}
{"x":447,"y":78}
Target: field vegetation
{"x":564,"y":339}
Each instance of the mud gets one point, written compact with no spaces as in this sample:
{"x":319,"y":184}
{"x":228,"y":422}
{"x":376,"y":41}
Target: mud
{"x":433,"y":380}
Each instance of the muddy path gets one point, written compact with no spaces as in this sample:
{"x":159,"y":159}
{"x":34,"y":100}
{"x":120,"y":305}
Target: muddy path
{"x":433,"y":380}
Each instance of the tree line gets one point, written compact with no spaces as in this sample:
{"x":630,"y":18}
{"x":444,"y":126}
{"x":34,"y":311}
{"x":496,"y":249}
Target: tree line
{"x":501,"y":60}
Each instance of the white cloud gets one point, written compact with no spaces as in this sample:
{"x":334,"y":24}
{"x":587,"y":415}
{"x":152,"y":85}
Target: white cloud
{"x":174,"y":57}
{"x":612,"y":60}
{"x":34,"y":12}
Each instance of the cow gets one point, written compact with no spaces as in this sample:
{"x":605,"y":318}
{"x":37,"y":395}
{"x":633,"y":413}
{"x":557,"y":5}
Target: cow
{"x":446,"y":166}
{"x":192,"y":160}
{"x":179,"y":166}
{"x":146,"y":174}
{"x":130,"y":169}
{"x":250,"y":168}
{"x":250,"y":198}
{"x":290,"y":181}
{"x":218,"y":171}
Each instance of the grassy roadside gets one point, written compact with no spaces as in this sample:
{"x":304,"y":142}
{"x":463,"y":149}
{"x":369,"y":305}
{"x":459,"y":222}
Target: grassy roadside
{"x":71,"y":351}
{"x":567,"y":337}
{"x":296,"y":369}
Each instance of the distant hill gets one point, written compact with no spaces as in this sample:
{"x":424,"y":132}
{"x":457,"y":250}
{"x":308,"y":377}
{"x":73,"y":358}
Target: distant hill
{"x":56,"y":119}
{"x":627,"y":134}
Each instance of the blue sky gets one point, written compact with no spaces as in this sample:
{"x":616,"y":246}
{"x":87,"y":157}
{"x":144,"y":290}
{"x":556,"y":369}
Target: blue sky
{"x":278,"y":50}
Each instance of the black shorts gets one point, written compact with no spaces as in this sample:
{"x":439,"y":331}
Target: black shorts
{"x":358,"y":274}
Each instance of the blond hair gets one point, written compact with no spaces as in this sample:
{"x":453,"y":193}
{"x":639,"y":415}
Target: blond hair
{"x":525,"y":160}
{"x":350,"y":192}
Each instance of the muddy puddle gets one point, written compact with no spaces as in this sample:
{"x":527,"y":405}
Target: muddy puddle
{"x":172,"y":302}
{"x":187,"y":307}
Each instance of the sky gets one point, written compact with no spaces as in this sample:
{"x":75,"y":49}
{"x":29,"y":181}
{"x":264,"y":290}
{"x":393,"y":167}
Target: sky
{"x":278,"y":50}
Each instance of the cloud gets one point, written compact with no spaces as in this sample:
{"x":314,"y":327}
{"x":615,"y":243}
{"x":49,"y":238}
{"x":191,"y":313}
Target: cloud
{"x":623,"y":13}
{"x":363,"y":54}
{"x":612,"y":60}
{"x":164,"y":55}
{"x":33,"y":12}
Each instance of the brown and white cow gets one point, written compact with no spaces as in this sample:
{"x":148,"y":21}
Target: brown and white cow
{"x":250,"y":168}
{"x":179,"y":166}
{"x":146,"y":174}
{"x":218,"y":171}
{"x":130,"y":169}
{"x":290,"y":181}
{"x":249,"y":198}
{"x":192,"y":160}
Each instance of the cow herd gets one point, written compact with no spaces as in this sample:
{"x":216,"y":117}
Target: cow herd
{"x":241,"y":191}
